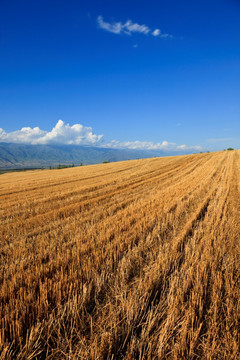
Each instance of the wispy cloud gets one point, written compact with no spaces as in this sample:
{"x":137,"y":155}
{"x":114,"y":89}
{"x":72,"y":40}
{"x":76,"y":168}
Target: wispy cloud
{"x":129,"y":28}
{"x":78,"y":134}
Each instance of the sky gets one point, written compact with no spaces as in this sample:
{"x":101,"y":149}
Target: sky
{"x":124,"y":74}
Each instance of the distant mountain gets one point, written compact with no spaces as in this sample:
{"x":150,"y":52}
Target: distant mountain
{"x":17,"y":156}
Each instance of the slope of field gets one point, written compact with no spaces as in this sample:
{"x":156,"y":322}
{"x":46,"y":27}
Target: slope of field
{"x":131,"y":260}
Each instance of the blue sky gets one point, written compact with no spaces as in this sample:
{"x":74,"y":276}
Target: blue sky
{"x":137,"y":74}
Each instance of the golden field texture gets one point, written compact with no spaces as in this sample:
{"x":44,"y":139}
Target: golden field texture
{"x":130,"y":260}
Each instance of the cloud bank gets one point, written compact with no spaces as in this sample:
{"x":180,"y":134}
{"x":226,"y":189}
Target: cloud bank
{"x":61,"y":134}
{"x":129,"y":28}
{"x":148,"y":145}
{"x":78,"y":134}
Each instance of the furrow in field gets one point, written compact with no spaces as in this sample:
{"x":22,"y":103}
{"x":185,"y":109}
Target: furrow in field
{"x":60,"y":195}
{"x":131,"y":263}
{"x":67,"y":208}
{"x":63,"y":220}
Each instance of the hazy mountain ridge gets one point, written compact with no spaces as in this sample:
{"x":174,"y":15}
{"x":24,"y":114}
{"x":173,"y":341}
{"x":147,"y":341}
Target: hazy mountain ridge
{"x":22,"y":156}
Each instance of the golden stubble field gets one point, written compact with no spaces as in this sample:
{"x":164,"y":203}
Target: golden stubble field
{"x":130,"y":260}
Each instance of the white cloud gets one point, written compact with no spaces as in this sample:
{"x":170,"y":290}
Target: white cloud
{"x":25,"y":135}
{"x":61,"y":134}
{"x":115,"y":28}
{"x":156,"y":32}
{"x":128,"y":28}
{"x":78,"y":134}
{"x":148,"y":145}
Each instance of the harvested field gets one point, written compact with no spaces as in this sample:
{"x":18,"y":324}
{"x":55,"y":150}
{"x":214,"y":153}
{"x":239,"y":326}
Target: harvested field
{"x":131,"y":260}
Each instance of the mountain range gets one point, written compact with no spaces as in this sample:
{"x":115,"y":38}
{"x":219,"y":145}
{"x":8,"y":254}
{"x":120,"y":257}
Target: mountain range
{"x":19,"y":156}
